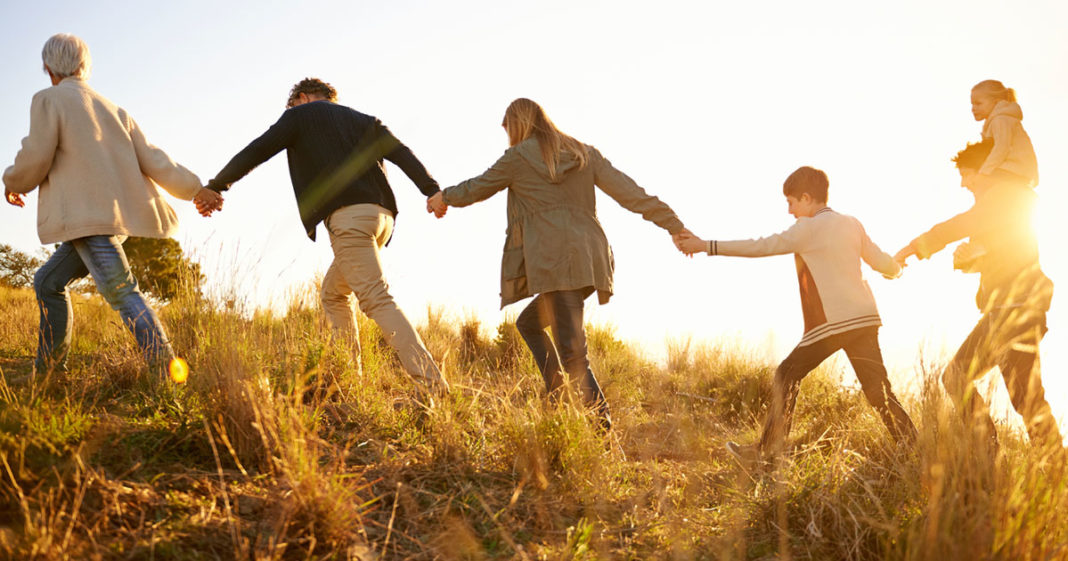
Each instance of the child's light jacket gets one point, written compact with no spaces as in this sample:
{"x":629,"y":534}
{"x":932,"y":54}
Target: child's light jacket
{"x":1012,"y":150}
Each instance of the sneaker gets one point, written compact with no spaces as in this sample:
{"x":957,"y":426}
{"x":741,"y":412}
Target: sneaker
{"x":747,"y":455}
{"x":604,"y":421}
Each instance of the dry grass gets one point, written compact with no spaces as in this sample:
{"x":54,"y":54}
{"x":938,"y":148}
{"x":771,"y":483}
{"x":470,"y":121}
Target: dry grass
{"x":278,"y":448}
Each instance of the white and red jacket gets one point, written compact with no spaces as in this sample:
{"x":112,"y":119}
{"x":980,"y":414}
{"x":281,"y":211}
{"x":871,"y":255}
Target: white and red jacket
{"x":827,"y":248}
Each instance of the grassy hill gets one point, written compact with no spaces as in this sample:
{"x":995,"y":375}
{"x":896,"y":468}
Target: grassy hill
{"x":278,"y":447}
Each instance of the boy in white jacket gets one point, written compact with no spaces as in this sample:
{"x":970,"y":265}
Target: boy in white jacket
{"x":838,"y":305}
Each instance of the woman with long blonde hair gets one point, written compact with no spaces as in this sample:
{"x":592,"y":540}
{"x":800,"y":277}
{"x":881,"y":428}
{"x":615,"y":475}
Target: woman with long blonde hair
{"x":554,"y":248}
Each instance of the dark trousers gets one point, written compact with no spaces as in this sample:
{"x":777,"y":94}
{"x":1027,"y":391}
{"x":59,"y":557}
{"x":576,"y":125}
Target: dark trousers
{"x":862,"y":348}
{"x":1008,"y":339}
{"x":561,"y":311}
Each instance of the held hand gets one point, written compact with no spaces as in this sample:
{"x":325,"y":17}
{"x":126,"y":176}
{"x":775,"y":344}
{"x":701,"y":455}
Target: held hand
{"x":14,"y":199}
{"x":692,"y":245}
{"x":682,"y":234}
{"x":436,"y":204}
{"x":687,"y":238}
{"x":207,"y":201}
{"x":904,"y":253}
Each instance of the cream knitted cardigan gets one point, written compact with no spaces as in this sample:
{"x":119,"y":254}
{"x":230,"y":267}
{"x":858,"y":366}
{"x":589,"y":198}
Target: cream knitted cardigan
{"x":96,"y":171}
{"x":828,"y":249}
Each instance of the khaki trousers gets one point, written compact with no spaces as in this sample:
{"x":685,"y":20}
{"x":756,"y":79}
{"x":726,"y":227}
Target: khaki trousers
{"x":357,"y":234}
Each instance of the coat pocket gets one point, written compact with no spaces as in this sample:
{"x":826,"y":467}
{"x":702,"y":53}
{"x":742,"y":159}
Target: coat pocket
{"x":513,"y":264}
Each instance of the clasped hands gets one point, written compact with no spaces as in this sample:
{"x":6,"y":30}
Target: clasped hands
{"x":904,"y":253}
{"x":688,"y":243}
{"x":435,"y":204}
{"x":208,"y":201}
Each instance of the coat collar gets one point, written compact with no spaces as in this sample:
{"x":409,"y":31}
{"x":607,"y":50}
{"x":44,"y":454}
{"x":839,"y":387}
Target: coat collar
{"x":821,"y":211}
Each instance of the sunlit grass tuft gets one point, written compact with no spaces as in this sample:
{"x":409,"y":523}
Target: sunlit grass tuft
{"x":286,"y":444}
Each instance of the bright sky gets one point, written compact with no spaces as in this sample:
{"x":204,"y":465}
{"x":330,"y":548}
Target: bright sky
{"x":707,"y":107}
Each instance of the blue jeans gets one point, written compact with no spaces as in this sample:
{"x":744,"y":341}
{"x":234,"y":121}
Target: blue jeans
{"x":104,"y":259}
{"x":561,"y":311}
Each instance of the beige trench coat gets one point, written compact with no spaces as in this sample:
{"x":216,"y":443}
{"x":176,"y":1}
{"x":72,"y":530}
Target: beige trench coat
{"x":554,"y":240}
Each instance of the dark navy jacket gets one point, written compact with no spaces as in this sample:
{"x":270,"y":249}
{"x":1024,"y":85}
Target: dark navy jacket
{"x":335,"y":159}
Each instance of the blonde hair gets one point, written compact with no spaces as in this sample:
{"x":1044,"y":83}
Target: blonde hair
{"x":66,"y":55}
{"x":995,"y":89}
{"x":525,"y":118}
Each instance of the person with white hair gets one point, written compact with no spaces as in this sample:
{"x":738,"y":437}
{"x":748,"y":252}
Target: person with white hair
{"x":97,"y":179}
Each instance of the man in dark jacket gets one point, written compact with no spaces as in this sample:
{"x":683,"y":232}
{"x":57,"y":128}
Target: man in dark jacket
{"x":336,"y":164}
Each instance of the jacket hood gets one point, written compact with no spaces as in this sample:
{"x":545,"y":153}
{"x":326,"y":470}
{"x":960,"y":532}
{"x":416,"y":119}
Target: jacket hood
{"x":1006,"y":109}
{"x":530,"y":150}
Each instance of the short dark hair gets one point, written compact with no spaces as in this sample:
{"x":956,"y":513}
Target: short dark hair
{"x":809,"y":180}
{"x":974,"y":154}
{"x":311,"y":86}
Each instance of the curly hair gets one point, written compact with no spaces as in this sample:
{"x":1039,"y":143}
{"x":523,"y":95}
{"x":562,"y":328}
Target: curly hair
{"x":973,"y":155}
{"x":311,"y":86}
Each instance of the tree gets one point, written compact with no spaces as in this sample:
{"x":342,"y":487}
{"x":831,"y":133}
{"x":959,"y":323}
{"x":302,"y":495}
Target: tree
{"x":17,"y":268}
{"x":160,"y":266}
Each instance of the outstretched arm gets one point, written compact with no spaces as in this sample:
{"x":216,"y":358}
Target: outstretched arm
{"x":493,"y":180}
{"x":876,"y":258}
{"x":276,"y":139}
{"x":791,"y":240}
{"x":986,"y":211}
{"x":934,"y":240}
{"x":402,"y":157}
{"x":157,"y":165}
{"x":631,"y":196}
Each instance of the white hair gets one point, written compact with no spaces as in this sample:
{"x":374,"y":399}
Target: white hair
{"x":66,"y":55}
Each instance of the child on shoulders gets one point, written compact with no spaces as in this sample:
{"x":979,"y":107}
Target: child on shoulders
{"x":1012,"y":152}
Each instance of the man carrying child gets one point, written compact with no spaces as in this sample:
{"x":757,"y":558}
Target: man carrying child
{"x":1014,"y":296}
